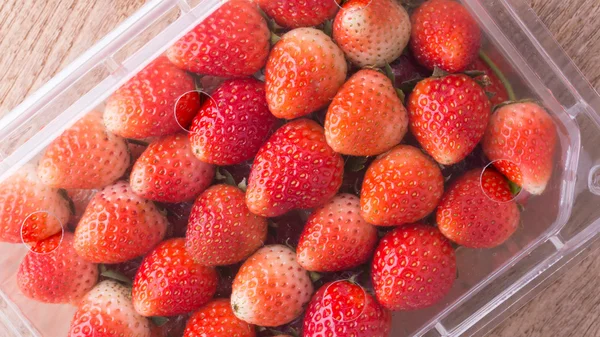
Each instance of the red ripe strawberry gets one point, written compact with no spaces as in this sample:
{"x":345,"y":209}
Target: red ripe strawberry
{"x":56,"y":274}
{"x":401,"y":186}
{"x":118,"y":225}
{"x":271,"y":288}
{"x":336,"y":237}
{"x":448,"y":116}
{"x":169,"y":282}
{"x":295,"y":168}
{"x":299,"y":13}
{"x":444,"y":35}
{"x":84,"y":156}
{"x":521,"y":142}
{"x":372,"y":32}
{"x":158,"y":101}
{"x":476,"y":219}
{"x":232,"y":42}
{"x":168,"y":171}
{"x":342,"y":308}
{"x":494,"y":86}
{"x":233,"y":124}
{"x":304,"y":72}
{"x":80,"y":198}
{"x":221,"y":229}
{"x":30,"y":210}
{"x":107,"y":311}
{"x":216,"y":319}
{"x":366,"y":116}
{"x":414,"y":267}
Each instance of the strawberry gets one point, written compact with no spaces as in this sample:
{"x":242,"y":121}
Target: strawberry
{"x":299,"y":13}
{"x":232,"y":42}
{"x":342,"y":308}
{"x":336,"y":237}
{"x":448,"y":116}
{"x":30,"y":210}
{"x":414,"y":267}
{"x":169,"y":282}
{"x":271,"y":288}
{"x":107,"y":311}
{"x":477,"y":211}
{"x":168,"y":171}
{"x":366,"y":116}
{"x":233,"y":124}
{"x":495,"y":85}
{"x":295,"y":168}
{"x":444,"y":35}
{"x":56,"y":274}
{"x":216,"y":319}
{"x":221,"y":229}
{"x":372,"y":32}
{"x":84,"y":156}
{"x":80,"y":198}
{"x":521,"y":142}
{"x":118,"y":225}
{"x":304,"y":72}
{"x":401,"y":186}
{"x":158,"y":101}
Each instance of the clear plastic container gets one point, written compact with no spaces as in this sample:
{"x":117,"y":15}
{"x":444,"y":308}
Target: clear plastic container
{"x":557,"y":226}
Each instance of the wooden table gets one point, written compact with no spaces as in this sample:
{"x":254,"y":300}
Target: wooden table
{"x":40,"y":37}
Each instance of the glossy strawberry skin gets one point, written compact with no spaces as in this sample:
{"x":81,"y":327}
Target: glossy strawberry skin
{"x":304,"y":71}
{"x":477,"y":211}
{"x":495,"y":86}
{"x":448,"y":116}
{"x":157,"y":101}
{"x":30,"y":210}
{"x":54,"y":273}
{"x":336,"y":237}
{"x":107,"y":311}
{"x":169,"y":282}
{"x":299,"y":13}
{"x":84,"y":156}
{"x":366,"y":117}
{"x":295,"y":168}
{"x":232,"y":42}
{"x":444,"y":35}
{"x":372,"y":32}
{"x":270,"y":288}
{"x":342,"y":308}
{"x":521,"y":142}
{"x":400,"y":186}
{"x":118,"y":225}
{"x":414,"y":267}
{"x":216,"y":319}
{"x":232,"y":125}
{"x":168,"y":171}
{"x":221,"y":229}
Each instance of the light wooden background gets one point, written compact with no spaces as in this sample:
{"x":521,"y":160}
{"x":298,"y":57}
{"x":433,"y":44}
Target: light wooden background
{"x":40,"y":37}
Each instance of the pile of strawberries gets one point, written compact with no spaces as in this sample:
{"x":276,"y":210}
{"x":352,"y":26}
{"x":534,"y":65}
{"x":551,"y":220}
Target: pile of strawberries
{"x":324,"y":182}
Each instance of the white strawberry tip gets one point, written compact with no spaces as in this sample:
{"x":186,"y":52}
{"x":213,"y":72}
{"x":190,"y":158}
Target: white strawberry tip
{"x":353,"y":316}
{"x":27,"y":222}
{"x":341,"y":6}
{"x":517,"y":192}
{"x":201,"y":93}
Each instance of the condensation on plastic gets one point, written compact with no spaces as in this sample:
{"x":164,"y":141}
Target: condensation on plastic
{"x":491,"y":283}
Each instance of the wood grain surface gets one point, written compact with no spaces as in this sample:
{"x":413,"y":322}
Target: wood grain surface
{"x":40,"y":37}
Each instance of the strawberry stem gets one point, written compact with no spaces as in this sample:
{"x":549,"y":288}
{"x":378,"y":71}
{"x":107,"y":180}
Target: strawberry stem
{"x":500,"y":74}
